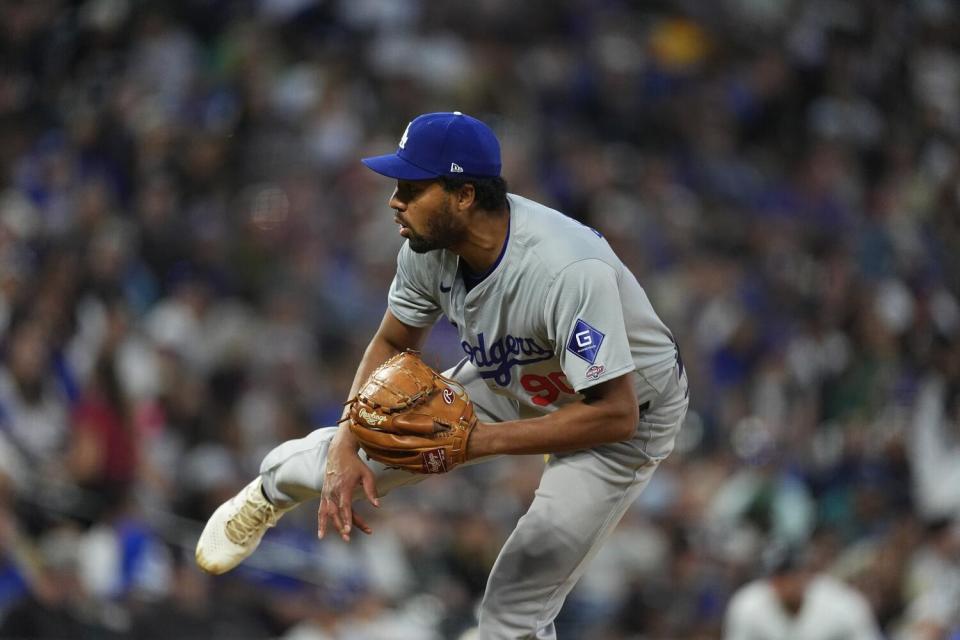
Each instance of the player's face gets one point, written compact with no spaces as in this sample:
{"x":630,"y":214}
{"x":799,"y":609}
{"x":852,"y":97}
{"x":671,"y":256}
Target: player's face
{"x":426,"y":215}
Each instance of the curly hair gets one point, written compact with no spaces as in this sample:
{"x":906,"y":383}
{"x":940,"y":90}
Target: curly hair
{"x":491,"y":193}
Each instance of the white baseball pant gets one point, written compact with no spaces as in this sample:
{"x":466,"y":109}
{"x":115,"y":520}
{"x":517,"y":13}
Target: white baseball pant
{"x":581,"y":498}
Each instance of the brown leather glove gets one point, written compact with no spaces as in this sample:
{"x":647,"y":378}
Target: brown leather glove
{"x":407,"y":416}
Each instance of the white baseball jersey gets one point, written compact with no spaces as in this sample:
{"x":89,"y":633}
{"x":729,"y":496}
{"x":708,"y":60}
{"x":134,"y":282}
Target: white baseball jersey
{"x":558,"y":313}
{"x":831,"y":610}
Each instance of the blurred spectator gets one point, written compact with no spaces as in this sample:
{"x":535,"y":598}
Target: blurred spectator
{"x":34,"y":406}
{"x":933,"y":585}
{"x":796,"y":601}
{"x":103,"y":456}
{"x":935,"y":441}
{"x":55,"y":602}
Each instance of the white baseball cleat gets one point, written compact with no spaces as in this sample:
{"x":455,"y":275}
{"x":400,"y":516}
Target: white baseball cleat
{"x":235,"y":529}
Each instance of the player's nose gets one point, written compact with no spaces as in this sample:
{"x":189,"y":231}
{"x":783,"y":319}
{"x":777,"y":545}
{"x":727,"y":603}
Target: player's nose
{"x":395,"y":202}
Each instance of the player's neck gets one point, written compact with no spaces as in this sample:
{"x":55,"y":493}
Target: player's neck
{"x":486,"y":242}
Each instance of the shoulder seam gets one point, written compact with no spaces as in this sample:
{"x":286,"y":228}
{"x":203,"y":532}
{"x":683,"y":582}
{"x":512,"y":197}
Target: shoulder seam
{"x":556,"y":276}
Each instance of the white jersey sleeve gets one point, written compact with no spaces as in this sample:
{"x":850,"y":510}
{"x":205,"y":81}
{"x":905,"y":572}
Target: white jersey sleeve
{"x":585,"y":316}
{"x":412,"y":297}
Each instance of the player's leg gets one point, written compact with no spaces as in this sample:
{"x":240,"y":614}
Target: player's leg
{"x":581,"y":498}
{"x":577,"y":506}
{"x":293,"y":473}
{"x":290,"y":474}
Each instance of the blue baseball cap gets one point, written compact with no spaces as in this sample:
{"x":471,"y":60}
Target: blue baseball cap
{"x":442,"y":144}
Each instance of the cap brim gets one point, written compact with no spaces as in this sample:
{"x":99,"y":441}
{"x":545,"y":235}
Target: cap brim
{"x":393,"y":166}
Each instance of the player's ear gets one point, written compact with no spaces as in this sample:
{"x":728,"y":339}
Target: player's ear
{"x":466,"y":196}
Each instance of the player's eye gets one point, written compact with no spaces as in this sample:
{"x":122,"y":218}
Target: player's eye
{"x":406,"y":191}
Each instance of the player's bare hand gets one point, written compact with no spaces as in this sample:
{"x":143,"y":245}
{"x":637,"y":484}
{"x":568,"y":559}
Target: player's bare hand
{"x":345,"y":470}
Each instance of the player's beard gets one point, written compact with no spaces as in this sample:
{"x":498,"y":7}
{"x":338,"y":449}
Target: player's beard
{"x":444,"y":230}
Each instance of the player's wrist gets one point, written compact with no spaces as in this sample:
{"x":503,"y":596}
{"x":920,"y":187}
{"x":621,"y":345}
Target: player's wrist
{"x":345,"y":440}
{"x":477,"y":445}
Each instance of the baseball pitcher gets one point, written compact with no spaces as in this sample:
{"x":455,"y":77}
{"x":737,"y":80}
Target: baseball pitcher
{"x":563,"y":355}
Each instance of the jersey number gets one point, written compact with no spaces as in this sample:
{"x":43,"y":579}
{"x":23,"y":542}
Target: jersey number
{"x":544,"y":390}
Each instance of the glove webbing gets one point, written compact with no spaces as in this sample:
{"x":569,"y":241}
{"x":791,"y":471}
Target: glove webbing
{"x":413,"y":399}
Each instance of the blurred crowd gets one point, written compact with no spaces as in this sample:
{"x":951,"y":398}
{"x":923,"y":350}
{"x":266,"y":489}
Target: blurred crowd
{"x":192,"y":260}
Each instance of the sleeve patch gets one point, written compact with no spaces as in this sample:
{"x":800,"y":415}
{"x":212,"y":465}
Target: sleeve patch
{"x":585,"y":341}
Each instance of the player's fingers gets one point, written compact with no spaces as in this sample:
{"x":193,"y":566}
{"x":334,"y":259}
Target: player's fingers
{"x":323,"y":516}
{"x":361,"y":523}
{"x":334,"y":515}
{"x":328,"y":514}
{"x":344,"y":516}
{"x":370,"y":488}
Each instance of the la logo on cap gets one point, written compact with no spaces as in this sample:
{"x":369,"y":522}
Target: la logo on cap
{"x":441,"y":144}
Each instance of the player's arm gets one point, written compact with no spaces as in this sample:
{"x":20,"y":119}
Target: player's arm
{"x":584,"y":337}
{"x":391,"y":338}
{"x":345,"y":470}
{"x":607,"y":413}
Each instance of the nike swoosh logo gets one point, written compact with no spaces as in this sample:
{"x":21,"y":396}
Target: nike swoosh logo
{"x":443,"y":288}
